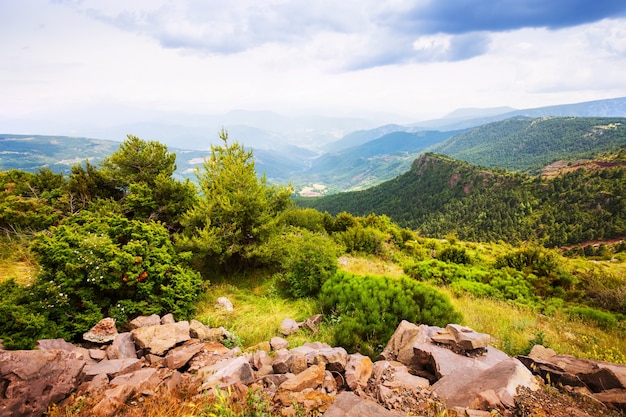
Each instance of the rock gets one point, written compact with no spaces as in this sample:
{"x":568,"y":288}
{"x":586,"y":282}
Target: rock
{"x":144,"y":321}
{"x":123,"y":347}
{"x":400,"y":345}
{"x":179,"y":356}
{"x":288,"y":327}
{"x":210,"y":354}
{"x":260,"y":359}
{"x":31,"y":380}
{"x":329,"y":385}
{"x":113,"y":401}
{"x":335,"y":358}
{"x":312,"y":377}
{"x":279,"y":364}
{"x":103,"y":332}
{"x":358,"y":371}
{"x":468,"y":412}
{"x":347,"y":404}
{"x":567,"y":370}
{"x":97,"y":354}
{"x":541,"y":352}
{"x":111,"y":367}
{"x":396,"y":376}
{"x":312,"y":402}
{"x":227,"y":372}
{"x":434,"y":362}
{"x":461,"y":339}
{"x":278,"y":343}
{"x":297,"y":363}
{"x":615,"y":398}
{"x":168,"y":319}
{"x":197,"y":330}
{"x":159,"y":339}
{"x":461,"y":388}
{"x":224,"y":303}
{"x":138,"y":380}
{"x":313,"y":323}
{"x":273,"y":381}
{"x":96,"y":384}
{"x":60,"y":344}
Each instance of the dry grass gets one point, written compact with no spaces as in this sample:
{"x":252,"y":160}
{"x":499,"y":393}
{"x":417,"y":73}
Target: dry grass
{"x":514,"y":327}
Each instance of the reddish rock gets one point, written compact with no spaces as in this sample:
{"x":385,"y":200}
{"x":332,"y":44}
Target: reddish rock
{"x":278,"y":343}
{"x":123,"y":347}
{"x":461,"y":338}
{"x":347,"y":404}
{"x":144,"y":321}
{"x":112,"y":401}
{"x":313,"y":377}
{"x":168,"y":319}
{"x":139,"y":380}
{"x":226,"y":373}
{"x":461,"y":388}
{"x":178,"y":357}
{"x":400,"y":345}
{"x":30,"y":381}
{"x":111,"y":367}
{"x":103,"y":332}
{"x":334,"y":359}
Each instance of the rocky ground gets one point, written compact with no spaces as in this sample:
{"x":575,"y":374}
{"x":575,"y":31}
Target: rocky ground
{"x":423,"y":371}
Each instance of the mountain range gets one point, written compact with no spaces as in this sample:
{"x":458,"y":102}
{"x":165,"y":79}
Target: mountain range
{"x":293,"y":150}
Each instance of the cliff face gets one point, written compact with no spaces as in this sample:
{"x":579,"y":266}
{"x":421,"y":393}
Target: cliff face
{"x":421,"y":369}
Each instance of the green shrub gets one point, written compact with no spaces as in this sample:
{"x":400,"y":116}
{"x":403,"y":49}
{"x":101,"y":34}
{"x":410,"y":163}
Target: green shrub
{"x":93,"y":266}
{"x":369,"y":308}
{"x":604,"y":319}
{"x":308,"y":260}
{"x":365,"y":240}
{"x":455,"y":255}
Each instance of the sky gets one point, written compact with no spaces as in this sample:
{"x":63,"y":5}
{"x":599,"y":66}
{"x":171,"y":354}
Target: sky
{"x":91,"y":62}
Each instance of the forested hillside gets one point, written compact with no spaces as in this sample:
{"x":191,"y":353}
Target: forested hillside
{"x":440,"y":195}
{"x":528,"y":145}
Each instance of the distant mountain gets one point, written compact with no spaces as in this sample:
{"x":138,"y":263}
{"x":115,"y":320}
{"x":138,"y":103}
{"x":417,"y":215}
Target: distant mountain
{"x":361,"y":137}
{"x":59,"y":153}
{"x":614,"y":107}
{"x":375,"y":161}
{"x":523,"y":144}
{"x":440,"y":195}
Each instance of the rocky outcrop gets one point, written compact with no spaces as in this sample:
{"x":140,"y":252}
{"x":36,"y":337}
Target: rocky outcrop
{"x":421,"y":369}
{"x":604,"y":381}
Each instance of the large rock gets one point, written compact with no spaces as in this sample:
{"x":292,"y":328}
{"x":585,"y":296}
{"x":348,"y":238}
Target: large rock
{"x":434,"y":362}
{"x":400,"y":345}
{"x":461,"y":339}
{"x":462,"y":388}
{"x":288,"y":327}
{"x":30,"y":381}
{"x":103,"y":332}
{"x":358,"y":371}
{"x":226,"y":373}
{"x":347,"y":404}
{"x":123,"y":347}
{"x":112,"y":401}
{"x":159,"y":339}
{"x":224,"y":303}
{"x":313,"y":377}
{"x":334,"y":359}
{"x":111,"y":367}
{"x":567,"y":370}
{"x":396,"y":376}
{"x":179,"y":356}
{"x":144,"y":321}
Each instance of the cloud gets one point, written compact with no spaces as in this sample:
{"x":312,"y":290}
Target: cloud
{"x":378,"y":34}
{"x":456,"y":17}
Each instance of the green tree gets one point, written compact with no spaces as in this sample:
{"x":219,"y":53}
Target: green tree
{"x":237,"y":211}
{"x":142,"y":171}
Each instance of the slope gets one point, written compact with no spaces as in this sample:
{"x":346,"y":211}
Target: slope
{"x":440,"y":195}
{"x":529,"y":145}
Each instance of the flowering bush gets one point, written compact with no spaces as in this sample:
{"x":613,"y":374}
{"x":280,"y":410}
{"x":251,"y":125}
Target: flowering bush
{"x":93,"y":266}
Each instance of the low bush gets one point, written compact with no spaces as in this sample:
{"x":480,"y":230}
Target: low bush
{"x":367,"y":309}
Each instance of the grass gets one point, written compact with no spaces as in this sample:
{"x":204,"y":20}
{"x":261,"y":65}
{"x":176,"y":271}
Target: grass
{"x":259,"y":309}
{"x":514,"y":327}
